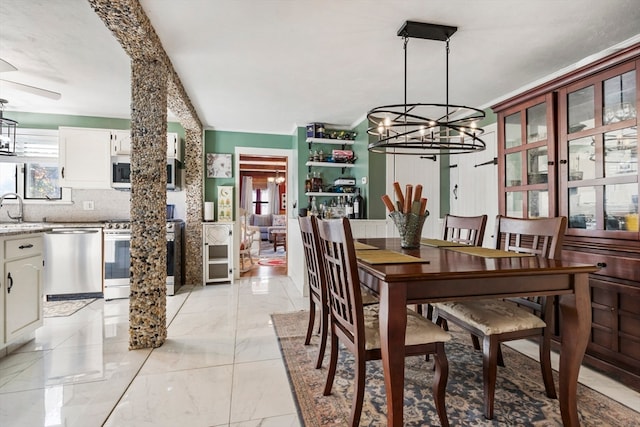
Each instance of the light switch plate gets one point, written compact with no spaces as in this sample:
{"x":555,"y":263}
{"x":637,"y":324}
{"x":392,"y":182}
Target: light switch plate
{"x":364,"y":180}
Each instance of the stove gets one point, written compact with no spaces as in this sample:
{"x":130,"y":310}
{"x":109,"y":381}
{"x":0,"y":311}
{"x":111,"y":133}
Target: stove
{"x":117,"y":257}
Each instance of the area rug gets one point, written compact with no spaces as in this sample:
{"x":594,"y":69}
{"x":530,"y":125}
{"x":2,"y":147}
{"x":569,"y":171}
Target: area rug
{"x":520,"y":398}
{"x":273,"y":262}
{"x":64,"y":308}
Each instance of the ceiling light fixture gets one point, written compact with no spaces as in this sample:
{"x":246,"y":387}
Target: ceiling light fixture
{"x":7,"y":133}
{"x":277,"y":179}
{"x":425,"y":128}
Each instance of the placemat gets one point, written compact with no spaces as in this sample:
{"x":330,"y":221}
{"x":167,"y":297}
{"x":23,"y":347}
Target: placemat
{"x":437,"y":243}
{"x":488,"y":252}
{"x":363,"y":246}
{"x":383,"y":256}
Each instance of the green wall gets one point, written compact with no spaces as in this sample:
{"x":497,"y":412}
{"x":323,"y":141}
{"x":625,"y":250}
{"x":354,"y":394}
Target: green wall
{"x":364,"y":164}
{"x":224,"y":142}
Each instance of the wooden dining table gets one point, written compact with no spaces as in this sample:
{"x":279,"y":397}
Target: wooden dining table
{"x":446,"y":275}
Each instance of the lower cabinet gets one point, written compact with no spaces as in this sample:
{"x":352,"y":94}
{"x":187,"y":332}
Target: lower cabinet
{"x":217,"y":252}
{"x":23,"y":300}
{"x":21,"y":286}
{"x":614,"y":343}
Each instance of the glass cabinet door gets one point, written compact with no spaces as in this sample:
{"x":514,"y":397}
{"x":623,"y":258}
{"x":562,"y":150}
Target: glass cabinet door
{"x":598,"y":169}
{"x":526,"y":159}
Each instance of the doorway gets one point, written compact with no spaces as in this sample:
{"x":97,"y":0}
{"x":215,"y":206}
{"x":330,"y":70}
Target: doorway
{"x":263,"y":181}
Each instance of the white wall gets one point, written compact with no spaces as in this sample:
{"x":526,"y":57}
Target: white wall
{"x":477,"y":187}
{"x":410,"y":169}
{"x":477,"y":191}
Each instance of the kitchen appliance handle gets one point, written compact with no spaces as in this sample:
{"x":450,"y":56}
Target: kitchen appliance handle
{"x":73,"y":231}
{"x":117,"y":236}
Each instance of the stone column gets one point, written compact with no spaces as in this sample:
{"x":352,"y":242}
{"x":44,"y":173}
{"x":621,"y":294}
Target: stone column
{"x":148,"y":299}
{"x":194,"y":187}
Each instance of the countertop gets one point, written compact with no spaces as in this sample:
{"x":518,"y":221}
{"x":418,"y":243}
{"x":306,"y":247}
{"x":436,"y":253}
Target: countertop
{"x":15,"y":228}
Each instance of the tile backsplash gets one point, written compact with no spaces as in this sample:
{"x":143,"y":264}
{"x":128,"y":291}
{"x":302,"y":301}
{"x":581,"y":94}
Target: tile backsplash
{"x":107,"y":205}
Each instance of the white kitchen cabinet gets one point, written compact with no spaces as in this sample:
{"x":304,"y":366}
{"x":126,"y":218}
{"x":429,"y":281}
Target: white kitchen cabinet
{"x":120,"y":142}
{"x":84,"y":158}
{"x":173,"y":146}
{"x":217,"y":242}
{"x":21,"y":286}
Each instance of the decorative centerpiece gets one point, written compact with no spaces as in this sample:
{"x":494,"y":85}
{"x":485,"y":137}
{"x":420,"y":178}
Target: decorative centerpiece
{"x":410,"y":214}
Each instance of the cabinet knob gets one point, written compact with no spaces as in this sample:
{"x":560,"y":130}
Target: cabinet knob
{"x":551,"y":163}
{"x":563,"y":162}
{"x":601,"y":264}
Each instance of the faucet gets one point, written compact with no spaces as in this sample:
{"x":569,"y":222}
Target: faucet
{"x":20,"y":205}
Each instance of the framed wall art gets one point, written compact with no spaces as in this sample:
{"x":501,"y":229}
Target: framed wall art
{"x":219,"y":165}
{"x":225,"y":203}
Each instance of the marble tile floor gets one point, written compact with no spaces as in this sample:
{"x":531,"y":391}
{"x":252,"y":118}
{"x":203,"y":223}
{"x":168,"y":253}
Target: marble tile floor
{"x":220,"y":365}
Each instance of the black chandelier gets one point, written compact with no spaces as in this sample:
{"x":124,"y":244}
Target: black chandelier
{"x":425,"y":129}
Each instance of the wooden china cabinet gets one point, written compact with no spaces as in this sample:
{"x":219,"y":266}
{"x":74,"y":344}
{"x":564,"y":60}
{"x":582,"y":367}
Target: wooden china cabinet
{"x":570,"y":147}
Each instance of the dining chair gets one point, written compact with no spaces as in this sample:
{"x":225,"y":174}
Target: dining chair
{"x":496,"y":321}
{"x":464,"y":229}
{"x":357,"y":327}
{"x":247,"y":233}
{"x":468,"y":230}
{"x":317,"y":280}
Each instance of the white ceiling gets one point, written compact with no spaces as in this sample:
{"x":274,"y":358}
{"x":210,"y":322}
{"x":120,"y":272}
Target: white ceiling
{"x":270,"y":65}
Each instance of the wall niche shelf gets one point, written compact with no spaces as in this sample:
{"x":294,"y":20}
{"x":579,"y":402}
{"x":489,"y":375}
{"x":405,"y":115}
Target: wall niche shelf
{"x":328,"y":141}
{"x":327,"y":194}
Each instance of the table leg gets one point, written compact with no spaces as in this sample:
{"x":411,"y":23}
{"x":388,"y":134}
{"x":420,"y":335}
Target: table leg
{"x":393,"y":325}
{"x":576,"y":326}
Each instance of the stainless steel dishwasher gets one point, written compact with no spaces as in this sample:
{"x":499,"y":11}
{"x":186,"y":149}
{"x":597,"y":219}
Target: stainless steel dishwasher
{"x":73,"y":263}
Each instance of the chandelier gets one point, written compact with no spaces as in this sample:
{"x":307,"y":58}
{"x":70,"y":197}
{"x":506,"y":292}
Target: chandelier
{"x":277,"y":179}
{"x":425,"y":128}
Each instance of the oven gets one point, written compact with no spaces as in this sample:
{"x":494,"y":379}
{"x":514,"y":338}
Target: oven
{"x":117,"y":258}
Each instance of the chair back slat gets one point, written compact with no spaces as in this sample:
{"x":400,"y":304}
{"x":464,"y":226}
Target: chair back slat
{"x":341,"y":268}
{"x":464,"y":229}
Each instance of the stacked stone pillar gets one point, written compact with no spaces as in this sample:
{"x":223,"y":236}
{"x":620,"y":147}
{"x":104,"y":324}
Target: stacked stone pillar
{"x":147,"y":305}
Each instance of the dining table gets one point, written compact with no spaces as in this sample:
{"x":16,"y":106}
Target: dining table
{"x":446,"y":274}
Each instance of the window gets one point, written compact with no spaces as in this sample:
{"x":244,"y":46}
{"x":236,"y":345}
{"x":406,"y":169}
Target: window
{"x":33,"y":171}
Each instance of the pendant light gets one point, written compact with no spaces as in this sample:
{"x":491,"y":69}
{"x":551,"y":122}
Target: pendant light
{"x":425,"y":129}
{"x":7,"y":133}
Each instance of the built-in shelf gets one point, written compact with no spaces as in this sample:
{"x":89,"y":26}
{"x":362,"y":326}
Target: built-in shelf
{"x":328,"y":194}
{"x":331,"y":164}
{"x":330,"y":141}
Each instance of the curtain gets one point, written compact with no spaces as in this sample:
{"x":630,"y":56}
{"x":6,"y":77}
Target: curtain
{"x":272,"y":191}
{"x":246,"y":198}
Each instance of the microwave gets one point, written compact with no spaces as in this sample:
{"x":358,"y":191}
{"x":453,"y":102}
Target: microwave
{"x":121,"y":173}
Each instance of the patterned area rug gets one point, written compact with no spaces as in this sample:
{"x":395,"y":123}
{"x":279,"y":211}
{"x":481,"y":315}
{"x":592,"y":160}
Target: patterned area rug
{"x":520,"y":398}
{"x":64,"y":308}
{"x":273,"y":262}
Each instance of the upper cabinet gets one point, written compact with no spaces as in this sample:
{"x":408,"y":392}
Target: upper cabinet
{"x":570,"y":147}
{"x":173,"y":146}
{"x":598,"y":152}
{"x":121,"y":144}
{"x":84,"y":157}
{"x":526,"y":158}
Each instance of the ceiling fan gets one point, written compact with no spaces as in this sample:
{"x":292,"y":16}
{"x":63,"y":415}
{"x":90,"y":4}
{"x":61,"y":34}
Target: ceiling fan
{"x":6,"y":66}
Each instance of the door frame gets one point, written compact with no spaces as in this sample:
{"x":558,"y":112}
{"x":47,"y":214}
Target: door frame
{"x":289,"y":188}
